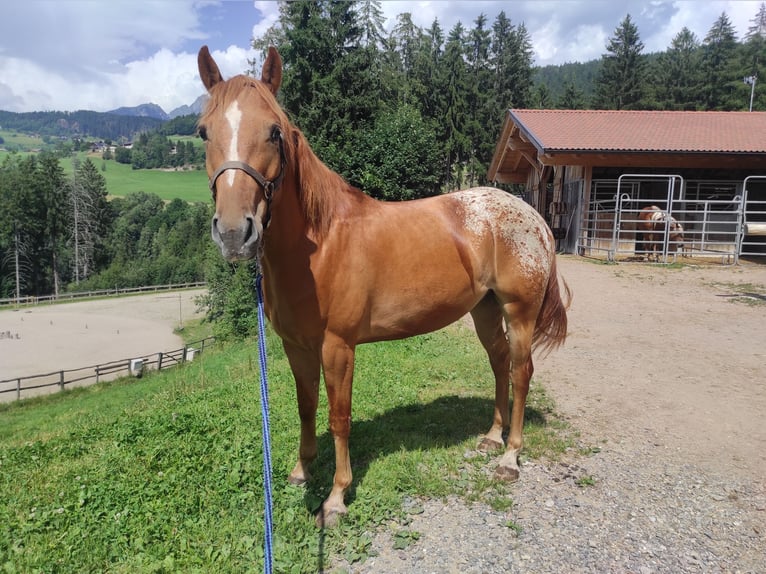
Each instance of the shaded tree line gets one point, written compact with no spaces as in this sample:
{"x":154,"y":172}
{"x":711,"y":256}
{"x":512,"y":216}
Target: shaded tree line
{"x":150,"y":242}
{"x":83,"y":123}
{"x":417,"y":111}
{"x":58,"y":232}
{"x":155,"y":150}
{"x":51,"y":225}
{"x":696,"y":74}
{"x":401,"y":115}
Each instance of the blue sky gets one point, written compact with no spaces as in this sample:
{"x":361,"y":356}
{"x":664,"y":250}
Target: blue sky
{"x":100,"y":55}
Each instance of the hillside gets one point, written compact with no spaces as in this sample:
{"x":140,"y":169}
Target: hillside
{"x":81,"y":123}
{"x":556,"y":78}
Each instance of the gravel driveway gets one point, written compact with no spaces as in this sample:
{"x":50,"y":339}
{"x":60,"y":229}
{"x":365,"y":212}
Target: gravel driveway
{"x":663,"y":380}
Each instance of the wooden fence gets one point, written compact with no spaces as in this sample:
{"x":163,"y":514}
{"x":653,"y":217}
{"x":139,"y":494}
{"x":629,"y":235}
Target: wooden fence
{"x":33,"y":300}
{"x":89,"y":375}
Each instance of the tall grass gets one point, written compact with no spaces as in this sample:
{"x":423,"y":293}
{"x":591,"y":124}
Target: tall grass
{"x":163,"y":474}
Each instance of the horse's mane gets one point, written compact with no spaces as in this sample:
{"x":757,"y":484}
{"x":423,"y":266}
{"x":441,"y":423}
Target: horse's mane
{"x":318,"y":185}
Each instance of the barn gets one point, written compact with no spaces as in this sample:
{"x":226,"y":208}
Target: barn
{"x":591,"y":172}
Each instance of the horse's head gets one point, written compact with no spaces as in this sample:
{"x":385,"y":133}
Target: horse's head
{"x":675,"y":236}
{"x":242,"y":127}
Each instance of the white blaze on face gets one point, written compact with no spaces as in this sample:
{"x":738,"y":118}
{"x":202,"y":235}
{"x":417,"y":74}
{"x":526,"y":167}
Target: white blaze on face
{"x":234,"y":117}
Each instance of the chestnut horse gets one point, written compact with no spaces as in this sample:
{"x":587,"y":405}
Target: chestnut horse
{"x":650,"y":235}
{"x":341,"y":268}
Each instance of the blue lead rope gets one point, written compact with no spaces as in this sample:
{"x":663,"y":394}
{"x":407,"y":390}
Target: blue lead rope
{"x":268,"y":503}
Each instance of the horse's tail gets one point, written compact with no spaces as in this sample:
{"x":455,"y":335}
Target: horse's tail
{"x":551,"y":326}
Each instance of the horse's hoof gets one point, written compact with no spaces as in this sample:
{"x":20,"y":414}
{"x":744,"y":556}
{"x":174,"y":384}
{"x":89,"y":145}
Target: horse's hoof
{"x":488,"y":445}
{"x":300,"y":475}
{"x":296,"y":480}
{"x":329,"y":518}
{"x":507,"y":473}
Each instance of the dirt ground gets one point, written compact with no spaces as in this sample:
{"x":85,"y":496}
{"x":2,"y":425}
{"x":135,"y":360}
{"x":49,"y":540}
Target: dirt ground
{"x":46,"y":338}
{"x":669,"y":355}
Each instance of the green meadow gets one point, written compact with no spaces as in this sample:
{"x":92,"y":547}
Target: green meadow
{"x":20,"y":141}
{"x":190,"y":184}
{"x":164,"y":473}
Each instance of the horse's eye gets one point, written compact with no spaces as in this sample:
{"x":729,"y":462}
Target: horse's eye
{"x":202,"y":133}
{"x":275,"y":134}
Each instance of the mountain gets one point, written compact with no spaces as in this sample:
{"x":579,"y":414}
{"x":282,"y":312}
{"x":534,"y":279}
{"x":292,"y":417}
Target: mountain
{"x":194,"y":109}
{"x":155,"y":111}
{"x":142,"y":111}
{"x":82,"y":123}
{"x":122,"y":123}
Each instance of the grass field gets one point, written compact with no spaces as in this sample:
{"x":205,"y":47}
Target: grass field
{"x":121,"y":179}
{"x":15,"y":140}
{"x":163,"y":474}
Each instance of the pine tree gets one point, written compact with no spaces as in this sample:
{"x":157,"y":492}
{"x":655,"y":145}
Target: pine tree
{"x":55,"y":192}
{"x":501,"y":50}
{"x":677,"y":73}
{"x":542,"y":98}
{"x":719,"y":74}
{"x":478,"y":100}
{"x":332,"y":83}
{"x":371,"y":22}
{"x":572,"y":99}
{"x":89,"y":216}
{"x":620,"y":84}
{"x":521,"y":66}
{"x":456,"y":76}
{"x":18,"y":226}
{"x":404,"y":44}
{"x":429,"y":76}
{"x":511,"y":58}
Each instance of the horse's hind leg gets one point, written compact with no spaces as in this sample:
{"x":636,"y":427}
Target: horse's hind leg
{"x":520,"y":332}
{"x":488,"y":320}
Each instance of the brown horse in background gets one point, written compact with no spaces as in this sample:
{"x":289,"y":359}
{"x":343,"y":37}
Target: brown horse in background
{"x":650,"y":232}
{"x":341,"y":268}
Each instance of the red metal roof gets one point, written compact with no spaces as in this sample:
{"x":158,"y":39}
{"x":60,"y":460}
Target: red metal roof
{"x":643,"y":131}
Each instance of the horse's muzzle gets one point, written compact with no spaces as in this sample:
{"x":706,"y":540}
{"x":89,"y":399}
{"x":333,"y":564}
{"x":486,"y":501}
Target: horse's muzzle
{"x":238,"y":243}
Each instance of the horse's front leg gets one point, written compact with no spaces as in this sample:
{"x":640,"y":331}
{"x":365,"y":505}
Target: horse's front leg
{"x":338,"y":368}
{"x":305,"y":366}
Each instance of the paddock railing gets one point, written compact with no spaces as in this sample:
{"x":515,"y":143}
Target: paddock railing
{"x":35,"y":385}
{"x":73,"y":296}
{"x":717,"y":227}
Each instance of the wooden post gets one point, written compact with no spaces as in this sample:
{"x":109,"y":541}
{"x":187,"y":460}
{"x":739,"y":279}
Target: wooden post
{"x":18,"y":389}
{"x":61,"y":380}
{"x":159,"y":361}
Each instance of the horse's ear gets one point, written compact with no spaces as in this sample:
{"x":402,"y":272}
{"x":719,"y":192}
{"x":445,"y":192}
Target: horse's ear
{"x":272,"y":70}
{"x":208,"y":69}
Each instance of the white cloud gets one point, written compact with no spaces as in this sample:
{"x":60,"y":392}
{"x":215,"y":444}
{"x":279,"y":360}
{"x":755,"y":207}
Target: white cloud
{"x":165,"y":78}
{"x":80,"y":54}
{"x":269,"y":14}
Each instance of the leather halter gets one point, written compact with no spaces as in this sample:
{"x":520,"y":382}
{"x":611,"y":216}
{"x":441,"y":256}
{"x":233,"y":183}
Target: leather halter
{"x":269,"y":186}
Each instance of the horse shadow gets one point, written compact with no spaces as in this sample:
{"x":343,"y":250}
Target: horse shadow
{"x":442,"y":423}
